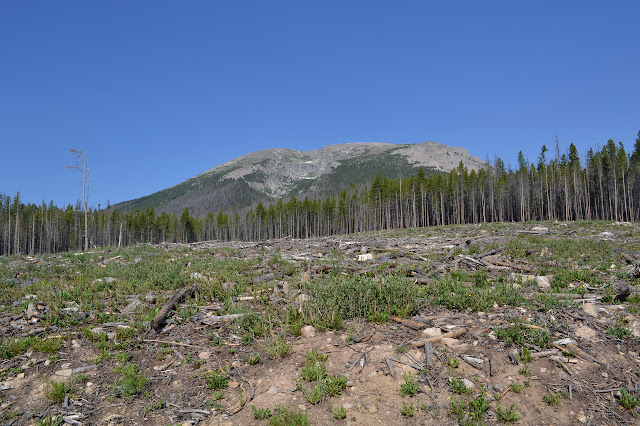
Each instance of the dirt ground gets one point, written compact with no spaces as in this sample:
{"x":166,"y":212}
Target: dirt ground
{"x":586,"y":375}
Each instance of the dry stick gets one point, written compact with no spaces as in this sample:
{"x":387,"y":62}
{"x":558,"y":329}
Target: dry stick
{"x":579,"y":352}
{"x":414,"y":366}
{"x":169,"y":306}
{"x":428,"y":352}
{"x":409,"y":323}
{"x":173,"y":343}
{"x":391,"y":370}
{"x":414,"y":361}
{"x":353,"y":364}
{"x":537,"y":355}
{"x":450,"y":335}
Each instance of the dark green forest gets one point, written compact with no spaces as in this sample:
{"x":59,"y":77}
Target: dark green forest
{"x":604,"y":185}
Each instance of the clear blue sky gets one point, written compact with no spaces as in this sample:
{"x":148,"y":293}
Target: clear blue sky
{"x":158,"y":91}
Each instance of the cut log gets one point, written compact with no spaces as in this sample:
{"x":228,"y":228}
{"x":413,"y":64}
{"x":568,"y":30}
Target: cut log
{"x":414,"y":325}
{"x":161,"y":317}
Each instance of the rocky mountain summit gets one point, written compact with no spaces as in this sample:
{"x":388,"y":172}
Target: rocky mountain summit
{"x":274,"y":173}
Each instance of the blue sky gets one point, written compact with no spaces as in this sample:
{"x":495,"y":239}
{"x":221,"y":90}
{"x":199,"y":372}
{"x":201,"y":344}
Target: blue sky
{"x":156,"y":92}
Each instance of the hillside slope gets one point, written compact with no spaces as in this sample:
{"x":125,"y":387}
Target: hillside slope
{"x":273,"y":173}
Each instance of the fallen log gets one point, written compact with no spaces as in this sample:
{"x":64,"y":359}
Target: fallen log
{"x":161,"y":317}
{"x":414,"y":325}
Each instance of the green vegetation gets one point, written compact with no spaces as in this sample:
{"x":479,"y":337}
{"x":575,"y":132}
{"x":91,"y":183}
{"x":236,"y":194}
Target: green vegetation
{"x":507,"y":416}
{"x":323,"y":386}
{"x":628,"y":400}
{"x":410,"y":385}
{"x":339,"y":413}
{"x":284,"y":416}
{"x":132,"y":381}
{"x":521,"y":333}
{"x":216,"y":380}
{"x":551,"y":398}
{"x":57,"y":391}
{"x":457,"y":386}
{"x":260,"y":413}
{"x":408,"y":410}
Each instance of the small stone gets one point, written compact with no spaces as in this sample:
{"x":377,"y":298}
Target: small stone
{"x":150,"y":298}
{"x":431,"y":332}
{"x":365,"y":257}
{"x":204,"y":355}
{"x":372,"y":409}
{"x":499,"y":387}
{"x":544,"y":281}
{"x":65,"y":372}
{"x":347,"y":406}
{"x":273,"y":390}
{"x":586,"y":333}
{"x":31,"y":311}
{"x":236,"y":364}
{"x":20,"y":376}
{"x":228,"y":285}
{"x":581,"y":417}
{"x":590,"y":309}
{"x":131,"y":307}
{"x":233,"y":384}
{"x":302,"y":407}
{"x":468,"y":383}
{"x":308,"y":331}
{"x":543,"y":369}
{"x":75,"y":344}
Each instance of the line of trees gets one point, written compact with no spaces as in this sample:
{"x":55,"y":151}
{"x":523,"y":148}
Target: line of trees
{"x":604,"y":185}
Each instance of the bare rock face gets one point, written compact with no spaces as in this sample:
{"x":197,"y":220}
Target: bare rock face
{"x":280,"y":173}
{"x":282,"y":169}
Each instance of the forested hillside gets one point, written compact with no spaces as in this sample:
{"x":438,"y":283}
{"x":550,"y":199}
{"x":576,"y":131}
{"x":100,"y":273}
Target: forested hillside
{"x":561,"y":186}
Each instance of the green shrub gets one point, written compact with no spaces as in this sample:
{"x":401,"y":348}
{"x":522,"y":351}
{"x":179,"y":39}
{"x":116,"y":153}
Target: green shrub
{"x":508,"y":416}
{"x":284,"y":416}
{"x":216,"y":379}
{"x":132,"y":381}
{"x":410,"y":385}
{"x":260,"y":413}
{"x":628,"y":400}
{"x":57,"y":391}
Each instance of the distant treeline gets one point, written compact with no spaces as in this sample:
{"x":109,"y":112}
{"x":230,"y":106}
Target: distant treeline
{"x":604,"y":185}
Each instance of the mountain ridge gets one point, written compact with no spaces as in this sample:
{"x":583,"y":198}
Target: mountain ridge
{"x":274,"y":173}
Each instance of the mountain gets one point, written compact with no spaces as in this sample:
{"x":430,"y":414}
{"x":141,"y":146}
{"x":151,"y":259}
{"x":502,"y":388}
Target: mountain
{"x":274,"y":173}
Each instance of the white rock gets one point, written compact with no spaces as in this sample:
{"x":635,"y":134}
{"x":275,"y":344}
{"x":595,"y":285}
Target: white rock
{"x":204,"y":355}
{"x":65,"y":372}
{"x":308,"y":331}
{"x":31,"y":312}
{"x":431,"y":332}
{"x":590,"y":309}
{"x":544,"y":281}
{"x":365,"y":257}
{"x":273,"y":390}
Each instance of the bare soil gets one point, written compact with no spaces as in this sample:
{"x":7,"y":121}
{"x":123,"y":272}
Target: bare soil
{"x":588,"y":382}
